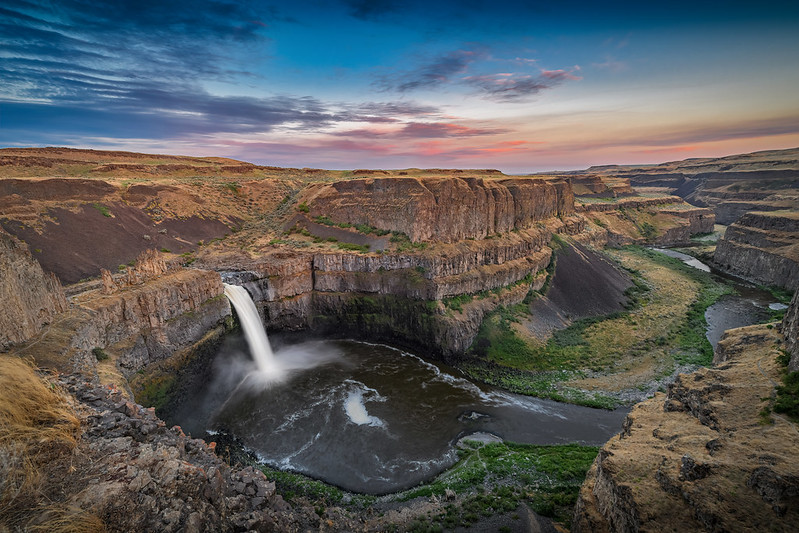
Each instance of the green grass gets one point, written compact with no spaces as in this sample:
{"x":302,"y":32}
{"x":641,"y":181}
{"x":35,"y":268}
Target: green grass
{"x":232,"y":187}
{"x":499,"y":356}
{"x":786,"y":400}
{"x":102,"y":209}
{"x":780,"y":294}
{"x":692,"y":346}
{"x":456,"y":302}
{"x":404,"y":243}
{"x":292,"y":486}
{"x":496,"y":477}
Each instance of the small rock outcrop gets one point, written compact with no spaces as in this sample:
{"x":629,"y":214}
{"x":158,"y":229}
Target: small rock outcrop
{"x":30,"y":296}
{"x":762,"y":247}
{"x":704,"y":456}
{"x":149,"y":265}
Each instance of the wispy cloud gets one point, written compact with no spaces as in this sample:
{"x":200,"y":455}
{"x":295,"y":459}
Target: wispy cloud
{"x":516,"y":87}
{"x":437,"y":72}
{"x":467,"y":67}
{"x":611,"y":65}
{"x":441,"y":129}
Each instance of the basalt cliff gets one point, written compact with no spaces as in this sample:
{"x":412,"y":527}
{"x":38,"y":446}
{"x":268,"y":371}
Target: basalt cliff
{"x":763,"y":247}
{"x":731,"y":186}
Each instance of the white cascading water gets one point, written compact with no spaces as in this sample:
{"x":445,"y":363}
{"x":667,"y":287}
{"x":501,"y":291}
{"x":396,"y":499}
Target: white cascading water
{"x":253,"y":331}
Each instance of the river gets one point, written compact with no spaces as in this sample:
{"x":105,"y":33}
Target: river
{"x":748,"y":305}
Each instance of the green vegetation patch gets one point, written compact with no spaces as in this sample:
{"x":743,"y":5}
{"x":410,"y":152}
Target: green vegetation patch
{"x":292,"y":486}
{"x":403,"y":243}
{"x":692,"y":346}
{"x":501,"y":356}
{"x":497,"y":477}
{"x":353,"y":247}
{"x":786,"y":399}
{"x":102,"y":209}
{"x":156,"y":391}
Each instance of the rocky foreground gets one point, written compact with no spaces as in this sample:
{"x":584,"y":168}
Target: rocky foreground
{"x":136,"y":474}
{"x":706,"y":456}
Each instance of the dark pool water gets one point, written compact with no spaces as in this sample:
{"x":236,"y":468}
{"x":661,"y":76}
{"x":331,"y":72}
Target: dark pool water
{"x":371,"y":418}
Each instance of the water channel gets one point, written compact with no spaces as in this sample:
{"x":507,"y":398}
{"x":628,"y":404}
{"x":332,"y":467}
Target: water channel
{"x":748,"y":305}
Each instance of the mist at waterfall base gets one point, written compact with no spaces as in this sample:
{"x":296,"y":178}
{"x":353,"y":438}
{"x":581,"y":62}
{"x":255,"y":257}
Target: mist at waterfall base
{"x":368,"y":417}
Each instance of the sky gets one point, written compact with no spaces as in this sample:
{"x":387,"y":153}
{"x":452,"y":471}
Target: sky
{"x":349,"y":84}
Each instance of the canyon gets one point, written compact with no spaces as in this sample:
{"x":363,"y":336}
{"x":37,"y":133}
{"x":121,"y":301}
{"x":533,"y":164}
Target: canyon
{"x":417,"y":259}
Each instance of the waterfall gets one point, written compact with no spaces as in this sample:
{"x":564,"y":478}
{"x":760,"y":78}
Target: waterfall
{"x":253,"y":330}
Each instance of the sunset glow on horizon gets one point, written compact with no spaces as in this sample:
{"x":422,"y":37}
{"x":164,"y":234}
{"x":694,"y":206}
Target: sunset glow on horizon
{"x":517,"y":86}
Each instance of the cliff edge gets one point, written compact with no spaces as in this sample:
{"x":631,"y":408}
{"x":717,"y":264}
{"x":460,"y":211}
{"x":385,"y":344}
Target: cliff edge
{"x":762,"y":247}
{"x":706,"y":456}
{"x":30,"y":297}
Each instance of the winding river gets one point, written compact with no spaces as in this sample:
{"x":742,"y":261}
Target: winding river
{"x":748,"y":305}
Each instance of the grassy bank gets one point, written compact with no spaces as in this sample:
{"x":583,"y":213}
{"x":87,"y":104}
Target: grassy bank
{"x":664,"y":325}
{"x":497,"y":477}
{"x":488,"y":480}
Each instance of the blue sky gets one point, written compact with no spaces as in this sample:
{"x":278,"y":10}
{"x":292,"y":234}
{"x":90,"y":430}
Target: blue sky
{"x":520,"y":86}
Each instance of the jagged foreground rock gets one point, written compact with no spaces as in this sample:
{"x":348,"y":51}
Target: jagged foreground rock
{"x":702,"y":457}
{"x":136,"y":474}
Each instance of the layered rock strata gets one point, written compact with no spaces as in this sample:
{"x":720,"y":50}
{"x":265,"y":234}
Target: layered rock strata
{"x":664,"y":220}
{"x":763,"y":247}
{"x":395,"y":296}
{"x":702,"y":457}
{"x":31,"y":298}
{"x":442,"y":209}
{"x":135,"y":326}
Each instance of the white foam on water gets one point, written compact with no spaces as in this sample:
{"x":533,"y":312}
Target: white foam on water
{"x":356,"y":409}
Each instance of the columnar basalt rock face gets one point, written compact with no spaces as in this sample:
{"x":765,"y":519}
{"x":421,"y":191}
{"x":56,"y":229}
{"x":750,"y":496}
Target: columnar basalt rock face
{"x":700,"y":220}
{"x":149,"y":322}
{"x":628,"y":203}
{"x":763,"y":247}
{"x":790,"y":330}
{"x":701,"y":458}
{"x":136,"y":326}
{"x":30,"y":297}
{"x":442,"y":209}
{"x":299,"y":290}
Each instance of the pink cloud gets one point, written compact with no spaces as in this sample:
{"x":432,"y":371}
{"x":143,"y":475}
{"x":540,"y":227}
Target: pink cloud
{"x":560,"y":74}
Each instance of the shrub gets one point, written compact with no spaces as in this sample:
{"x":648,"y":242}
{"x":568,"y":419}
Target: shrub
{"x":100,"y":354}
{"x":303,"y":207}
{"x":102,"y":209}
